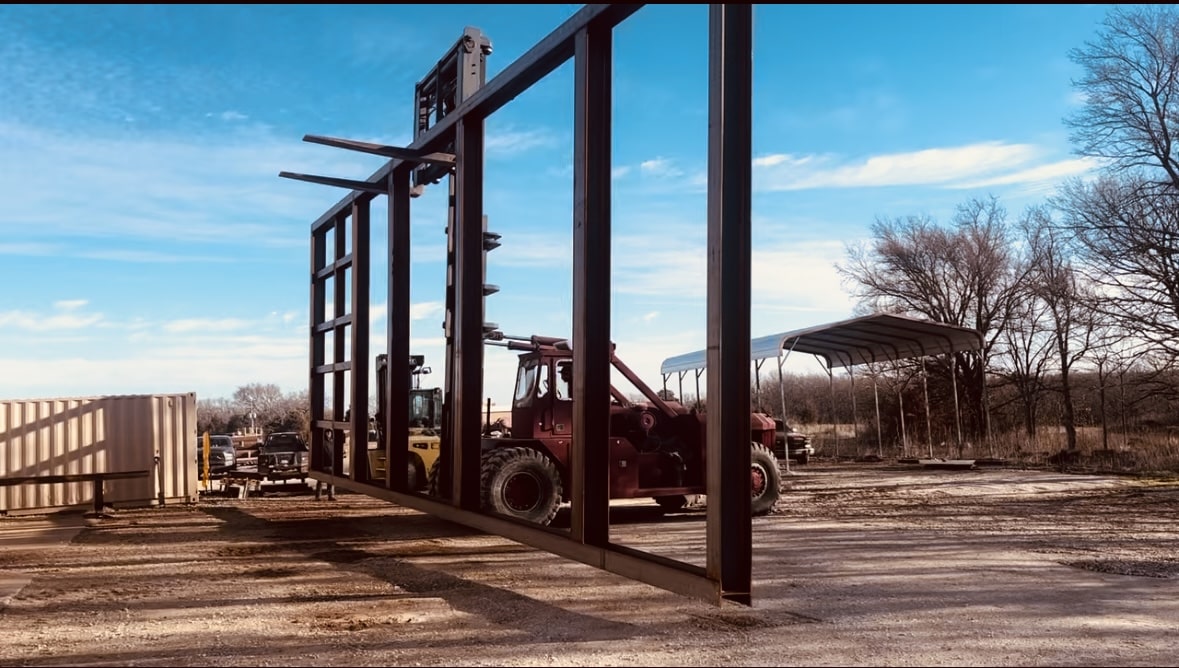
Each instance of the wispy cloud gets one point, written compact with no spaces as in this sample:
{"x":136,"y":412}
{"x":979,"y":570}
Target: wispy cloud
{"x":1050,"y":174}
{"x":424,"y":310}
{"x":219,"y":325}
{"x":32,"y":248}
{"x":951,"y":167}
{"x":184,"y":190}
{"x":510,"y":142}
{"x":52,"y":322}
{"x":70,"y":304}
{"x":659,"y":167}
{"x":229,"y":116}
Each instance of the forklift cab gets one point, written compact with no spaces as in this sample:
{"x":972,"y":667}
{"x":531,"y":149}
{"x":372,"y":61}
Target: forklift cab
{"x":543,"y":402}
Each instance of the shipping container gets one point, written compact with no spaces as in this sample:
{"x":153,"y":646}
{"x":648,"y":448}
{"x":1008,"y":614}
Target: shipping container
{"x":106,"y":434}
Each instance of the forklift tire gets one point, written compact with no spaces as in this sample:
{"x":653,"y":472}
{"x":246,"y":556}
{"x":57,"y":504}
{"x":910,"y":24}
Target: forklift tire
{"x":766,"y":479}
{"x":414,"y":479}
{"x":521,"y":483}
{"x":433,"y":484}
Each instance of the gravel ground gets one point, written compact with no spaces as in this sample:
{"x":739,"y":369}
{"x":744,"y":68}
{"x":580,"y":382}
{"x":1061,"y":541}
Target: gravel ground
{"x":861,"y":564}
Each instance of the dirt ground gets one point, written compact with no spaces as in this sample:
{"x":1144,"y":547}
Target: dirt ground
{"x":861,"y":564}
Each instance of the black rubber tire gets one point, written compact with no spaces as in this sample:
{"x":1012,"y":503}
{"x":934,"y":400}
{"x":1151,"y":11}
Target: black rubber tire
{"x":803,"y":458}
{"x":672,"y":503}
{"x":415,"y":476}
{"x":521,"y":483}
{"x":765,"y":478}
{"x":433,"y":484}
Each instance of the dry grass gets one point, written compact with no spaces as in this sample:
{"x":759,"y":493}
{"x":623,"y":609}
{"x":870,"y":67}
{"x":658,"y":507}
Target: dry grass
{"x":1148,"y":453}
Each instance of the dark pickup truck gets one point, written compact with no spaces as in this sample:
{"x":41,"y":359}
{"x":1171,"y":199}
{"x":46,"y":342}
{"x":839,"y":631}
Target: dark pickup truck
{"x":788,"y":441}
{"x":284,"y":455}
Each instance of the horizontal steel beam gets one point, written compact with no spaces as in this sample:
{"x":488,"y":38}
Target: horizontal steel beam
{"x":353,"y":184}
{"x":549,"y":54}
{"x":674,"y":576}
{"x":403,"y":154}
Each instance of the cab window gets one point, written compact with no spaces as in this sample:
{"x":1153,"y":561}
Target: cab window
{"x":525,"y":384}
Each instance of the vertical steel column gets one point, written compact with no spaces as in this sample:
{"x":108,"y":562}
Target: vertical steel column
{"x":467,"y":356}
{"x":396,"y":391}
{"x":445,"y":458}
{"x":590,"y":484}
{"x":315,"y":393}
{"x":339,"y":359}
{"x":730,"y":81}
{"x":361,"y":282}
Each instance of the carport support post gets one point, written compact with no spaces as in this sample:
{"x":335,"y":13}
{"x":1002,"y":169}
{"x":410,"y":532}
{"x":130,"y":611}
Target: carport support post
{"x":757,"y":384}
{"x":954,"y":385}
{"x":834,"y":420}
{"x":698,"y":372}
{"x":928,"y":427}
{"x":879,"y":437}
{"x":987,"y":403}
{"x":855,"y":423}
{"x":782,"y":396}
{"x":901,"y":406}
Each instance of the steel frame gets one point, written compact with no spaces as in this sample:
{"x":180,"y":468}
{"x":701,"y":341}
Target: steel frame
{"x":587,"y":38}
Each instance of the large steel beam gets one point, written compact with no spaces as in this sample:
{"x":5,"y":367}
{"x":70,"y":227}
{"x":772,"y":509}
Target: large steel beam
{"x":358,"y":392}
{"x":397,"y":346}
{"x":467,"y":357}
{"x":590,"y":521}
{"x":549,"y":54}
{"x":730,"y":115}
{"x":658,"y":571}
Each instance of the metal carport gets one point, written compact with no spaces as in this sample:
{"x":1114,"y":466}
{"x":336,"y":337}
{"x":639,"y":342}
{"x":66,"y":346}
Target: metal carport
{"x":879,"y":337}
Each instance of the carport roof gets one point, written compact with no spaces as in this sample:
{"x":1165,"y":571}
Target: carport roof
{"x":873,"y":338}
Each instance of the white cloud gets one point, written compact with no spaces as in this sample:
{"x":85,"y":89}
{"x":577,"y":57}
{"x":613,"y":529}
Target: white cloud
{"x":957,"y":166}
{"x":70,"y":304}
{"x":202,"y":325}
{"x":510,"y":142}
{"x":34,"y":249}
{"x":199,"y":191}
{"x":40,"y":322}
{"x":231,"y":116}
{"x":1050,"y":174}
{"x":424,"y":310}
{"x":660,"y":167}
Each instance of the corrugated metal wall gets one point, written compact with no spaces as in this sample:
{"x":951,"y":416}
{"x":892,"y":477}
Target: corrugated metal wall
{"x":99,"y":434}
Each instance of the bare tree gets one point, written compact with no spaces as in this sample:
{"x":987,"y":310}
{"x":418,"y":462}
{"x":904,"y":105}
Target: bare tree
{"x":218,"y":416}
{"x":261,"y":399}
{"x":1131,"y":88}
{"x":1069,"y":301}
{"x":1128,"y":240}
{"x":1126,"y":225}
{"x":1027,"y":344}
{"x":967,"y":275}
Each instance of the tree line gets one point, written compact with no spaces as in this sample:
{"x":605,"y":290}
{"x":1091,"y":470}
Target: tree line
{"x":1084,"y":283}
{"x":254,"y":408}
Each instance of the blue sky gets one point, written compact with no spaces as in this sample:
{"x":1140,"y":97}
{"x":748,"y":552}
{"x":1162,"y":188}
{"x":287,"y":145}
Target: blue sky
{"x":149,"y":245}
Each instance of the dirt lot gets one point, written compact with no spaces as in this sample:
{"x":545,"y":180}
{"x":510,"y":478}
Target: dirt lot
{"x":862,"y":564}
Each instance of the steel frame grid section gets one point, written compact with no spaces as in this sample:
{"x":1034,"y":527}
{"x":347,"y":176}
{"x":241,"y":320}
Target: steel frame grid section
{"x":586,"y":38}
